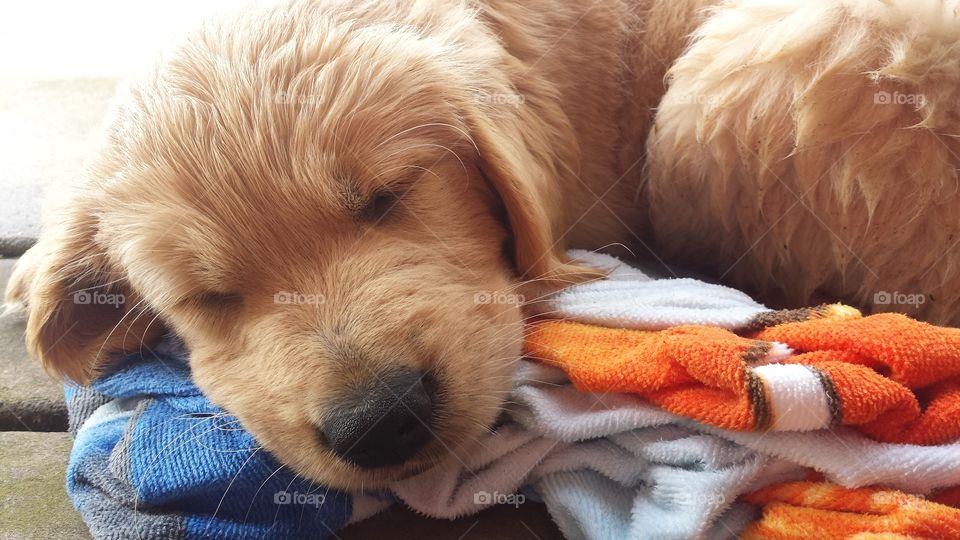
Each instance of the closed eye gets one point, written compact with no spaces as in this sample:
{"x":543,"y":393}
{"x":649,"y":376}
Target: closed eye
{"x":384,"y":203}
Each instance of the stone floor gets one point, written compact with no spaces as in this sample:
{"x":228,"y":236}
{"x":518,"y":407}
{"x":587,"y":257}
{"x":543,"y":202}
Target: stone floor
{"x":33,"y":444}
{"x":45,"y":131}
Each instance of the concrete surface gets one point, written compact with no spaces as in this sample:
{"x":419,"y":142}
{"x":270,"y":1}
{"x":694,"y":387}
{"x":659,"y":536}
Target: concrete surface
{"x":30,"y":400}
{"x":14,"y":246}
{"x":33,"y":496}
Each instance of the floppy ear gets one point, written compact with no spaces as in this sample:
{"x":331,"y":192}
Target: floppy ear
{"x":81,"y":312}
{"x":527,"y":151}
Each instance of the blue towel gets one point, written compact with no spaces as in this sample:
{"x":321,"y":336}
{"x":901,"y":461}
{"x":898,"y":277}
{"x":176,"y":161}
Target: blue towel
{"x":153,"y":458}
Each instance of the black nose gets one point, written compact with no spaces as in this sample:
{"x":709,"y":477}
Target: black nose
{"x":386,"y":424}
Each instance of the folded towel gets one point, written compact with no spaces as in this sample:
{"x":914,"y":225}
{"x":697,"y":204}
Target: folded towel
{"x":614,"y":467}
{"x":547,"y":404}
{"x":804,"y":510}
{"x":154,"y":459}
{"x":833,"y":368}
{"x":630,"y":298}
{"x":608,"y":467}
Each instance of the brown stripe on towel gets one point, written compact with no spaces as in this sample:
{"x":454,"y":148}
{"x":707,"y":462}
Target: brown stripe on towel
{"x":830,"y":391}
{"x":759,"y":402}
{"x":757,"y":353}
{"x":773,"y":318}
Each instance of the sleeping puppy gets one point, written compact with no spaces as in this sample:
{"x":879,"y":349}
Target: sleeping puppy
{"x":340,"y":206}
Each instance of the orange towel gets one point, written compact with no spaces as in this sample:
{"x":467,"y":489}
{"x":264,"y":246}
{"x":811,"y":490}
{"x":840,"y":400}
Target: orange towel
{"x":893,"y":378}
{"x":804,"y":510}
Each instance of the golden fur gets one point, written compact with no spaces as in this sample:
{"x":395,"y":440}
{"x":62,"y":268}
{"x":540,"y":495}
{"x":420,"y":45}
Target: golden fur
{"x":391,"y":160}
{"x":808,"y":149}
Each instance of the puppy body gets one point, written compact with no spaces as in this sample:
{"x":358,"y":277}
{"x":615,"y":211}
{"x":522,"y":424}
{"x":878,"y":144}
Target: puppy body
{"x":808,"y":150}
{"x":390,"y":165}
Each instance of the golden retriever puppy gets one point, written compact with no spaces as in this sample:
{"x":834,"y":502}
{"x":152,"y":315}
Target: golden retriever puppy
{"x":340,"y":206}
{"x":333,"y":204}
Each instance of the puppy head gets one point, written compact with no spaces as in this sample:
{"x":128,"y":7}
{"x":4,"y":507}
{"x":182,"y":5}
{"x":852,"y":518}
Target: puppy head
{"x":319,"y":208}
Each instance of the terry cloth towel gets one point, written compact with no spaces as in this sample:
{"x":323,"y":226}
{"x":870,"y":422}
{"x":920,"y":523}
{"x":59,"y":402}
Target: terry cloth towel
{"x":801,"y":510}
{"x":154,"y":459}
{"x":606,"y":468}
{"x":630,"y":298}
{"x":799,"y":370}
{"x":870,"y":373}
{"x":611,"y":466}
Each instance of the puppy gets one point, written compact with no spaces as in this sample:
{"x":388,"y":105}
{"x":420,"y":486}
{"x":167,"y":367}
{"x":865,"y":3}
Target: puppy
{"x":341,"y":205}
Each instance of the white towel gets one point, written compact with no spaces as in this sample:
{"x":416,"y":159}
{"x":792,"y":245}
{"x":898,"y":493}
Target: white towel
{"x":630,"y":298}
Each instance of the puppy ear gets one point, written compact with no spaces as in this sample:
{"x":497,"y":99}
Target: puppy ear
{"x":81,"y":312}
{"x":527,"y":160}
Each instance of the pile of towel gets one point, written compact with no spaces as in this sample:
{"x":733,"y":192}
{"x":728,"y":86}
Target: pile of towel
{"x":647,"y":408}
